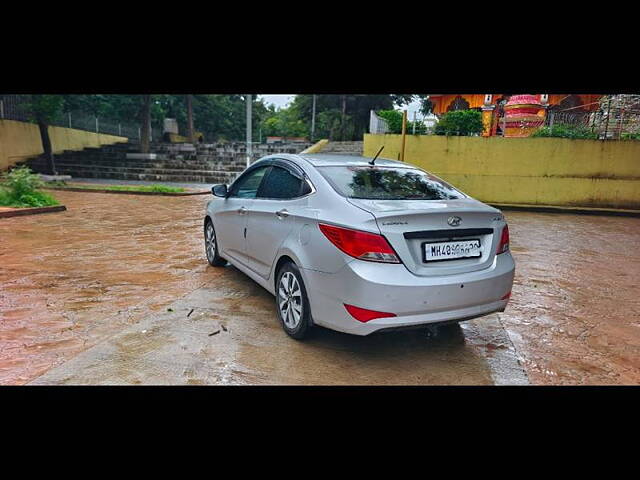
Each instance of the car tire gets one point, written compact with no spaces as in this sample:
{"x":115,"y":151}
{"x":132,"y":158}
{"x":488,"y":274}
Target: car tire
{"x":292,"y":302}
{"x":211,"y":246}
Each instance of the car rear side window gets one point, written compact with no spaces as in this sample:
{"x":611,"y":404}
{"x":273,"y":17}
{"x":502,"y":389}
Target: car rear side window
{"x":387,"y":183}
{"x":282,"y":184}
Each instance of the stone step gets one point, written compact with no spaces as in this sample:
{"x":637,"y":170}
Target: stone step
{"x":165,"y":169}
{"x":177,"y":164}
{"x":209,"y":163}
{"x":134,"y":170}
{"x":158,"y":178}
{"x":110,"y":154}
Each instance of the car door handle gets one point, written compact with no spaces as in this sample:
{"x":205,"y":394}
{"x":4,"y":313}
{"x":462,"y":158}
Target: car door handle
{"x":242,"y":210}
{"x":282,"y":213}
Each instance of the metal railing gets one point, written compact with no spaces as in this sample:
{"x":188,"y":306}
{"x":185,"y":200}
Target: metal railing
{"x":97,"y":124}
{"x":377,"y":125}
{"x":612,"y":124}
{"x":13,"y":107}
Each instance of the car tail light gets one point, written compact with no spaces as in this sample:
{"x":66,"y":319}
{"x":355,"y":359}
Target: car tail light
{"x":364,"y":315}
{"x":358,"y":244}
{"x":507,"y":296}
{"x":504,"y":240}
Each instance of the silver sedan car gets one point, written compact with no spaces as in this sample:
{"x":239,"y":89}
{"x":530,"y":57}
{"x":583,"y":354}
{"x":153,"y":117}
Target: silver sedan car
{"x":359,"y":246}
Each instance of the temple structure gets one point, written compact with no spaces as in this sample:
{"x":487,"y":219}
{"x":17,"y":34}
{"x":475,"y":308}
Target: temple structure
{"x":513,"y":115}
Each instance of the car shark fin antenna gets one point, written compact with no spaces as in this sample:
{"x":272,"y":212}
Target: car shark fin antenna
{"x":373,"y":161}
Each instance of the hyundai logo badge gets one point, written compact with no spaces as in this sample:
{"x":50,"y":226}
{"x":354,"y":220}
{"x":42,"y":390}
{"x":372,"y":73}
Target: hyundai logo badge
{"x":454,"y":221}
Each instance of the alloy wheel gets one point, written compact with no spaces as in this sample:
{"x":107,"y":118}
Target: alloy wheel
{"x":210,"y":239}
{"x":290,"y":300}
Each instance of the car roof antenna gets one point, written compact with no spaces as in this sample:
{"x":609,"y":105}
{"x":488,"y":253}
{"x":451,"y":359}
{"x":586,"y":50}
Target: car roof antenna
{"x":373,"y":161}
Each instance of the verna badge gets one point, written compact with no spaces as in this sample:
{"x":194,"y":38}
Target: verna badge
{"x":454,"y":221}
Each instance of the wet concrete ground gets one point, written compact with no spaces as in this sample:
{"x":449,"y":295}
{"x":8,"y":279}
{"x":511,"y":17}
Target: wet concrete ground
{"x":574,"y":315}
{"x":101,"y":294}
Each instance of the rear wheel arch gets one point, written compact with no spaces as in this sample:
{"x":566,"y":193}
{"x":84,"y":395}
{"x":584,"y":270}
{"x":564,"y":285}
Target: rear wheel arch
{"x":279,"y":264}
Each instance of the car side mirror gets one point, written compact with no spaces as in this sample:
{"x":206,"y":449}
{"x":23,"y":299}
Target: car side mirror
{"x":220,"y":190}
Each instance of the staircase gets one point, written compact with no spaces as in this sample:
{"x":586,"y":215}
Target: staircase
{"x":344,"y":148}
{"x":182,"y":163}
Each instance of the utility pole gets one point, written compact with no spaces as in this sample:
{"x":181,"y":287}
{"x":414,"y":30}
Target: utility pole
{"x":404,"y":134}
{"x":313,"y":118}
{"x":249,"y":149}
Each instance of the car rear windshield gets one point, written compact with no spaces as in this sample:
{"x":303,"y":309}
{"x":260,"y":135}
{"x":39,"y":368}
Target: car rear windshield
{"x":387,"y":183}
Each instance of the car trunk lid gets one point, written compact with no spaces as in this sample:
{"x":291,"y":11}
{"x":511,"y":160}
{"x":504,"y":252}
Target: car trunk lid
{"x":409,"y":225}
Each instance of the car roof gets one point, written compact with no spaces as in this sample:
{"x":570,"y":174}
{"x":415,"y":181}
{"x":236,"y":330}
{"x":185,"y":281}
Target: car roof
{"x":332,"y":160}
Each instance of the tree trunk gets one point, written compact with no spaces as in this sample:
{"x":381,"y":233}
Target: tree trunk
{"x":190,"y":118}
{"x":46,"y":147}
{"x":146,"y":124}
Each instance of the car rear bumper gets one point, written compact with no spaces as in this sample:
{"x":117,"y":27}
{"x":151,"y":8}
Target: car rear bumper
{"x":415,"y":300}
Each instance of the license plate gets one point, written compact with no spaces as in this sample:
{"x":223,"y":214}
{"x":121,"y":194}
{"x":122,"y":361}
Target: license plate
{"x":451,"y":250}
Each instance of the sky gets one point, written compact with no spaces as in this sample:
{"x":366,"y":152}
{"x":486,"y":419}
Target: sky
{"x":283,"y":100}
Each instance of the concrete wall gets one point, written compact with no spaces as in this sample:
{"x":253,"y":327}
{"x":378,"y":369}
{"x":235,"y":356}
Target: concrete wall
{"x":534,"y":171}
{"x":21,"y":140}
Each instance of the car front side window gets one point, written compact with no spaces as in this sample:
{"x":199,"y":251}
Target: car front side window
{"x":247,"y":186}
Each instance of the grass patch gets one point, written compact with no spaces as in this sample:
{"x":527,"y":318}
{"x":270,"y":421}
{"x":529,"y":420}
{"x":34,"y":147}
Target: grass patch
{"x":20,"y":190}
{"x":120,"y":188}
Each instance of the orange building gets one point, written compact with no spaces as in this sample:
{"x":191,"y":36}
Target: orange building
{"x":492,"y":105}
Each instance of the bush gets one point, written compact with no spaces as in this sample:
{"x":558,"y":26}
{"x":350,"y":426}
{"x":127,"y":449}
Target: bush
{"x":21,"y":181}
{"x":566,"y":131}
{"x":630,"y":136}
{"x":394,"y":120}
{"x":460,"y":122}
{"x":20,"y":190}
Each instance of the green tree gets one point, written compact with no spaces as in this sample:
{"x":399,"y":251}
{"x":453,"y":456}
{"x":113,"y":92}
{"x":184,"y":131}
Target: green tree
{"x":284,"y":122}
{"x":394,"y":120}
{"x":426,"y":105}
{"x":460,"y":122}
{"x":342,"y":117}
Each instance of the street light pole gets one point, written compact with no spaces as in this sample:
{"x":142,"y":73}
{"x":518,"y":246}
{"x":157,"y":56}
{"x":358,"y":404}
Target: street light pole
{"x":404,"y":134}
{"x":249,"y":149}
{"x":313,"y":118}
